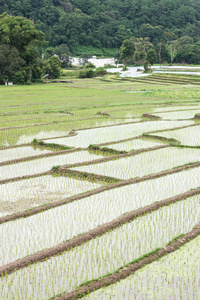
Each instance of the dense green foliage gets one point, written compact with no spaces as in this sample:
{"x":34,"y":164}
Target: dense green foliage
{"x":52,"y":67}
{"x":106,"y":23}
{"x":99,"y":27}
{"x":89,"y":73}
{"x":20,"y":50}
{"x":151,"y":56}
{"x":127,"y":50}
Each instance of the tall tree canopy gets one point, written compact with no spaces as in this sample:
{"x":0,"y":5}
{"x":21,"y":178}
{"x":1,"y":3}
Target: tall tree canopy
{"x":127,"y":50}
{"x":106,"y":23}
{"x":20,"y":49}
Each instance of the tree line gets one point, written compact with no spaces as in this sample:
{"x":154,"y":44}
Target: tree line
{"x":171,"y":50}
{"x":31,"y":48}
{"x":104,"y":24}
{"x":21,"y":46}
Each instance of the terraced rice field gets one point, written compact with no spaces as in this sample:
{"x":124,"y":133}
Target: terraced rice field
{"x":100,"y":189}
{"x":186,"y":136}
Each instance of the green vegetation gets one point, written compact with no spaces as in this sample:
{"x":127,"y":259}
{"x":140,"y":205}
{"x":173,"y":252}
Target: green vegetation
{"x":104,"y":151}
{"x":96,"y":27}
{"x":89,"y":73}
{"x":108,"y":212}
{"x":20,"y":50}
{"x":52,"y":67}
{"x":126,"y":50}
{"x":51,"y":146}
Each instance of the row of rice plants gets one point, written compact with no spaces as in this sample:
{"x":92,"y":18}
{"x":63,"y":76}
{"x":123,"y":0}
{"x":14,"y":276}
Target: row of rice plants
{"x":44,"y":164}
{"x":102,"y":255}
{"x":175,"y":276}
{"x":144,"y":164}
{"x":38,"y":121}
{"x":48,"y":115}
{"x":189,"y":114}
{"x":187,"y":136}
{"x":173,"y":108}
{"x":186,"y":95}
{"x":39,"y":107}
{"x":26,"y":135}
{"x":65,"y":222}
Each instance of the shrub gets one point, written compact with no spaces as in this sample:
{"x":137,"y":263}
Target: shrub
{"x":100,"y":71}
{"x":86,"y":73}
{"x":19,"y":77}
{"x":90,"y":66}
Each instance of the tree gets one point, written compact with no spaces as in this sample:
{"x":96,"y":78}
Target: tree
{"x":172,"y":49}
{"x":106,"y":23}
{"x":52,"y":67}
{"x":151,"y":56}
{"x":127,"y":50}
{"x":84,"y":59}
{"x":10,"y":62}
{"x":190,"y":54}
{"x":141,"y":46}
{"x":62,"y":52}
{"x":160,"y":53}
{"x":23,"y":44}
{"x":49,"y":52}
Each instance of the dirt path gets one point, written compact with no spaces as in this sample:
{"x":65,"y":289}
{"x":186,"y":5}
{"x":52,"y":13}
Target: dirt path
{"x":130,"y":269}
{"x":151,"y":116}
{"x":28,"y":158}
{"x":89,"y":176}
{"x":171,"y":129}
{"x":48,"y":123}
{"x":15,"y":146}
{"x":92,"y":234}
{"x":8,"y":180}
{"x":120,"y":141}
{"x":161,"y":138}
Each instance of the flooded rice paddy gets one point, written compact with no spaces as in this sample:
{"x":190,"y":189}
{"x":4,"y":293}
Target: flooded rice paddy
{"x":111,"y":221}
{"x":173,"y":277}
{"x":104,"y":254}
{"x":144,"y":163}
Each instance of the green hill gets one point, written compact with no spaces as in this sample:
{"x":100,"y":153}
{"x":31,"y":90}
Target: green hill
{"x":100,"y":24}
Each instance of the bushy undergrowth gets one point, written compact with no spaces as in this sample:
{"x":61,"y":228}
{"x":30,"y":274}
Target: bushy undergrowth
{"x":89,"y":73}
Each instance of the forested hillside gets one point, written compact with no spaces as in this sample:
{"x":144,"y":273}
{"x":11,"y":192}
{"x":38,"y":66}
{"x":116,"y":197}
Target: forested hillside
{"x":106,"y":23}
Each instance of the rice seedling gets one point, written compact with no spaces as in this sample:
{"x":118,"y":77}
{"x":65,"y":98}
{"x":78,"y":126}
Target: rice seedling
{"x":144,"y":163}
{"x":102,"y":255}
{"x":175,"y":108}
{"x":26,"y":135}
{"x":187,"y":136}
{"x":43,"y":164}
{"x":189,"y":114}
{"x":103,"y":135}
{"x":83,"y":215}
{"x":76,"y":105}
{"x":16,"y":153}
{"x":134,"y":145}
{"x":175,"y":276}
